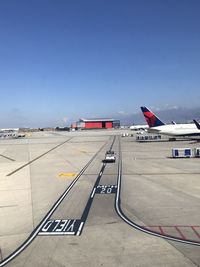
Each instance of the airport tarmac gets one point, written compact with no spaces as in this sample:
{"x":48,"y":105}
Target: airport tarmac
{"x":61,"y":205}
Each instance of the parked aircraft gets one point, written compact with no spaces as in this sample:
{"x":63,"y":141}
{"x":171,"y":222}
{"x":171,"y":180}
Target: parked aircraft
{"x":138,"y":127}
{"x":157,"y":126}
{"x":10,"y":133}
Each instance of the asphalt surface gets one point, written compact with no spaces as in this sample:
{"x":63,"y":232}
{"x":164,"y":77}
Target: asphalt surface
{"x":142,"y":210}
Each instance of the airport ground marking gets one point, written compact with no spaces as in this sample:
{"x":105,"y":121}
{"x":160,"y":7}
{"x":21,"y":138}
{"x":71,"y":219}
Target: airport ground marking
{"x":52,"y":227}
{"x":143,"y":229}
{"x":36,"y":231}
{"x":56,"y":234}
{"x":161,"y":230}
{"x":178,"y":228}
{"x":106,"y":189}
{"x":31,"y":161}
{"x":90,"y":200}
{"x":61,"y":227}
{"x":80,"y":228}
{"x":7,"y":157}
{"x":93,"y":192}
{"x":66,"y":175}
{"x":193,"y":228}
{"x":179,"y":231}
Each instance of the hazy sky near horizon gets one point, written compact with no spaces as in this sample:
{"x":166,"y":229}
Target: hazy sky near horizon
{"x":65,"y":59}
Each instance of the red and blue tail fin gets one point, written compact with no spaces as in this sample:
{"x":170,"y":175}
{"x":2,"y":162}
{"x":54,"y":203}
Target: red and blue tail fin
{"x":151,"y":118}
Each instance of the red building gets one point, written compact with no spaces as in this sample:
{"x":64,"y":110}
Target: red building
{"x":96,"y":123}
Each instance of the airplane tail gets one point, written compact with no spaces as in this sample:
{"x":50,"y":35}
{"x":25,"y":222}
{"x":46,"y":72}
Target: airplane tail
{"x":151,"y":118}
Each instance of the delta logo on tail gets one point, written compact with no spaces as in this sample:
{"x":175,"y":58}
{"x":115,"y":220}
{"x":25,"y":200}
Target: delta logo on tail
{"x":152,"y":119}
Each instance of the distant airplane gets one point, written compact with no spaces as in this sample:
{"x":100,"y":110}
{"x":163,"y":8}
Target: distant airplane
{"x":10,"y":133}
{"x":9,"y":130}
{"x":138,"y":127}
{"x":159,"y":127}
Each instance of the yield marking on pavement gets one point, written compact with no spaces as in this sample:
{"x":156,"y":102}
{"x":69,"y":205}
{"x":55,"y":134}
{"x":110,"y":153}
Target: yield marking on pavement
{"x":43,"y":222}
{"x":61,"y":227}
{"x":106,"y":189}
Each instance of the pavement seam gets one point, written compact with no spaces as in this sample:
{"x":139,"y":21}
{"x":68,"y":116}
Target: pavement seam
{"x":35,"y":232}
{"x":11,"y":173}
{"x":169,"y":188}
{"x":172,"y":244}
{"x":7,"y":157}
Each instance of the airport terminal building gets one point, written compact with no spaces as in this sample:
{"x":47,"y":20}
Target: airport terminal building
{"x":98,"y":123}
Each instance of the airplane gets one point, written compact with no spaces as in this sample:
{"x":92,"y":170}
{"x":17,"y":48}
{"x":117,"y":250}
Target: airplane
{"x":138,"y":127}
{"x":159,"y":127}
{"x":10,"y":133}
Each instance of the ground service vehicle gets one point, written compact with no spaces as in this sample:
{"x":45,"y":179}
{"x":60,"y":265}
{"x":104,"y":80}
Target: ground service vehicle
{"x":110,"y":156}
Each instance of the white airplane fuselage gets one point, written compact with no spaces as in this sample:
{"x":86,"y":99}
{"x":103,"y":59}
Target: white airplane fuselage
{"x":139,"y":127}
{"x":9,"y":133}
{"x":189,"y":129}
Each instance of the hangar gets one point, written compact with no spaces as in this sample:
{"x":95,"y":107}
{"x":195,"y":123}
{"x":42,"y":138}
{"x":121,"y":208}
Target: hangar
{"x":98,"y":123}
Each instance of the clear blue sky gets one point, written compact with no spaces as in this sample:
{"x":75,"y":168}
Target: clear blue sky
{"x":73,"y":58}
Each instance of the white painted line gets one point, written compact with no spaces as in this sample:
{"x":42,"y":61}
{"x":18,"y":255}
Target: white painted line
{"x":93,"y":192}
{"x":136,"y":226}
{"x":80,"y":227}
{"x":48,"y":215}
{"x":56,"y":233}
